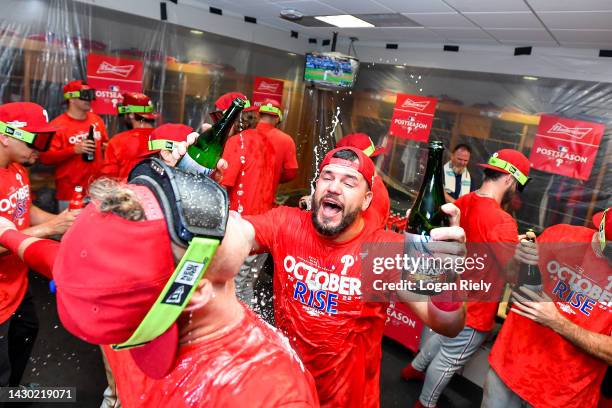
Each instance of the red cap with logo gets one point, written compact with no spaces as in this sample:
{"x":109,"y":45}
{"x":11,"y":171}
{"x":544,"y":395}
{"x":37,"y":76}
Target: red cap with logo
{"x":74,"y":86}
{"x":271,"y":107}
{"x":137,"y":260}
{"x":138,"y":100}
{"x":165,"y":136}
{"x":362,"y":142}
{"x":28,"y":116}
{"x":225,"y":101}
{"x":365,"y":166}
{"x":509,"y":161}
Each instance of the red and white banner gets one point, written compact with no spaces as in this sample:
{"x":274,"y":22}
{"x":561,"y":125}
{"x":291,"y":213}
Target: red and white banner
{"x":412,"y":117}
{"x":110,"y":77}
{"x":566,"y":146}
{"x":403,"y":326}
{"x":267,"y":88}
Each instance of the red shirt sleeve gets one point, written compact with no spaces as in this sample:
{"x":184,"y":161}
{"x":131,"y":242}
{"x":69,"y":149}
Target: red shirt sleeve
{"x":232,"y":156}
{"x":266,"y":227}
{"x":290,"y":161}
{"x":110,"y":166}
{"x":504,"y":239}
{"x":41,"y":255}
{"x":59,"y":150}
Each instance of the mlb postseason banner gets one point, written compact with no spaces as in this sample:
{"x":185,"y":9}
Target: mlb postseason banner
{"x":566,"y":146}
{"x":110,"y":77}
{"x":267,"y":88}
{"x":412,"y":117}
{"x":403,"y":326}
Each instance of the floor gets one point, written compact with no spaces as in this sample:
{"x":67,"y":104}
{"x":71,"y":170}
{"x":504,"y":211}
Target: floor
{"x":60,"y":359}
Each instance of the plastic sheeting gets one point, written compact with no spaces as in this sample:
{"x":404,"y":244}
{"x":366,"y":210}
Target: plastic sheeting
{"x":44,"y":44}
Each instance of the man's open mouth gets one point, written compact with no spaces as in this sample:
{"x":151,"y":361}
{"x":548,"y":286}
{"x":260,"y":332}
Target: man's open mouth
{"x":330,"y":207}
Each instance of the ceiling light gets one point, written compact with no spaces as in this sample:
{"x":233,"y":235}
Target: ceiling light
{"x":293,"y":54}
{"x":291,"y":14}
{"x":345,"y":20}
{"x":530,"y":78}
{"x":197,"y":32}
{"x":400,"y":66}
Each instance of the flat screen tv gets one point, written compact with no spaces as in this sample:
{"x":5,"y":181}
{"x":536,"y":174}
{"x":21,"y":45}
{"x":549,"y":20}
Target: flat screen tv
{"x":330,"y":70}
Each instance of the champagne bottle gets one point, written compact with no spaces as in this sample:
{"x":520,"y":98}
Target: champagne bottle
{"x":425,"y":215}
{"x":89,"y":157}
{"x":203,"y":155}
{"x":529,"y":275}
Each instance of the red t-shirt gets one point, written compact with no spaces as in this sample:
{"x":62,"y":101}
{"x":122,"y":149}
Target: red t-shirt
{"x":284,"y":150}
{"x":124,"y":151}
{"x":70,"y":169}
{"x":249,"y":177}
{"x":492,"y":232}
{"x":15,"y":202}
{"x":247,"y":365}
{"x":378,"y":211}
{"x":318,"y":305}
{"x":535,"y":362}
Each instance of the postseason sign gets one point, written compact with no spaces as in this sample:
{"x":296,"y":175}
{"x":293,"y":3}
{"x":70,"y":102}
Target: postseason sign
{"x":267,"y":88}
{"x":111,"y":77}
{"x":412,"y":117}
{"x":566,"y":147}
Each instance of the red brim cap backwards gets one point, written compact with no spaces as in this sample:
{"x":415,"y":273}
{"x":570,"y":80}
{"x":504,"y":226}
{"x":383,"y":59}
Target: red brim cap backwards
{"x":608,"y":227}
{"x":365,"y":166}
{"x":109,"y":272}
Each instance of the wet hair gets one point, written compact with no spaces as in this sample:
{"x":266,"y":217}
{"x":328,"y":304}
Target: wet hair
{"x":248,"y":120}
{"x":113,"y":197}
{"x":346,"y":155}
{"x":464,"y":147}
{"x":492,"y":175}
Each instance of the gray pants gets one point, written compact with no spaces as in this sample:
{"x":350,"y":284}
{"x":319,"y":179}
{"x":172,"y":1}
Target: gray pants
{"x":442,"y":357}
{"x":246,"y":277}
{"x":498,"y":395}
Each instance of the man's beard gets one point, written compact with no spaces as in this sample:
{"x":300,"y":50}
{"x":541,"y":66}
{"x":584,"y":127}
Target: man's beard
{"x":329,"y":231}
{"x":508,"y":196}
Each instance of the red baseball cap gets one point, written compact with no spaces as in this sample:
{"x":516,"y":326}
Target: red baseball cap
{"x":608,"y":227}
{"x":109,"y":272}
{"x":365,"y":166}
{"x":513,"y":158}
{"x":138,"y":99}
{"x":163,"y":137}
{"x":271,"y":107}
{"x":76,"y":85}
{"x":27,"y":116}
{"x":362,"y":142}
{"x":225,"y":101}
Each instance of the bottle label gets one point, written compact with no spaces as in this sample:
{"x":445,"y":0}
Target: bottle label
{"x":188,"y":165}
{"x":430,"y":272}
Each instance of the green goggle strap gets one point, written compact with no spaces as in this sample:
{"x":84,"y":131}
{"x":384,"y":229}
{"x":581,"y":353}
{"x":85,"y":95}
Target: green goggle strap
{"x":16,"y":133}
{"x":602,"y":231}
{"x":176,"y":294}
{"x":73,"y":94}
{"x":370,"y":149}
{"x":123,"y":109}
{"x":161,"y":144}
{"x":273,"y":110}
{"x":516,"y":173}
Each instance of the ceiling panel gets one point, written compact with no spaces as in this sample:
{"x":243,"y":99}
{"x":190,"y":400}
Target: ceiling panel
{"x":488,"y":5}
{"x":396,"y":35}
{"x":462,"y":33}
{"x":505,"y":20}
{"x":472,"y":41}
{"x":524,"y":36}
{"x":570,"y":5}
{"x":450,"y":20}
{"x":308,"y":7}
{"x":416,"y":6}
{"x":357,"y":7}
{"x":603,"y":45}
{"x":598,"y":36}
{"x":592,"y":20}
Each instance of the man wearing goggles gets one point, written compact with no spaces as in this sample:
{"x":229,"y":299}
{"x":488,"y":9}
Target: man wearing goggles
{"x":24,"y":132}
{"x":71,"y":142}
{"x":555,"y":346}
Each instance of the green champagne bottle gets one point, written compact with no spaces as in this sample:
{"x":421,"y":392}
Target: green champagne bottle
{"x":426,"y":213}
{"x":529,"y":275}
{"x":203,"y":155}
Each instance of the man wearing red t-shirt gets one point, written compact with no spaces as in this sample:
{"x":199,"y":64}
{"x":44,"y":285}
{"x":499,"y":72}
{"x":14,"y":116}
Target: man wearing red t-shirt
{"x":70,"y":142}
{"x":485,"y":223}
{"x":319,"y":291}
{"x":286,"y":165}
{"x":125,"y":149}
{"x":18,"y":320}
{"x":217,"y":354}
{"x":554,"y":347}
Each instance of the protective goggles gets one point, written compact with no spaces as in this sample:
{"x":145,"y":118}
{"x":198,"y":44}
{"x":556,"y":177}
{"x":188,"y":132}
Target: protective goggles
{"x":602,"y":231}
{"x":38,"y":141}
{"x":522,"y":179}
{"x":83,"y":94}
{"x":370,"y":149}
{"x":124,"y":109}
{"x":162,"y":144}
{"x":273,"y":110}
{"x":218,"y":114}
{"x":196,"y":212}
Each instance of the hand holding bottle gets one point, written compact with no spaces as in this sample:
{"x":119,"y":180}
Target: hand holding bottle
{"x":526,"y":251}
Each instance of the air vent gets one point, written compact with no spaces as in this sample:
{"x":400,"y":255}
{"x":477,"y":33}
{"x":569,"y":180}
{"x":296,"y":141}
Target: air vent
{"x":522,"y":51}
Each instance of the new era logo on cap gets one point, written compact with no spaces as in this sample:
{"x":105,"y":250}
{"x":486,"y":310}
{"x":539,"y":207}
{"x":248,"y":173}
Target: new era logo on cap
{"x":177,"y":295}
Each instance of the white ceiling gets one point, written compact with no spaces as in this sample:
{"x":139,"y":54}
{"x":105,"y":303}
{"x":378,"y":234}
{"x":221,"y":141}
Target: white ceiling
{"x":549,"y":23}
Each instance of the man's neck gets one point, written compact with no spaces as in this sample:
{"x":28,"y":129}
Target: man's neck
{"x":141,"y":124}
{"x":222,"y":311}
{"x":491,"y":190}
{"x":4,"y":158}
{"x":77,"y":114}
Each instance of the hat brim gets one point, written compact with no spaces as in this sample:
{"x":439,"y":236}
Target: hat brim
{"x":48,"y":128}
{"x":150,"y":116}
{"x":148,"y":154}
{"x":488,"y":166}
{"x":157,"y":358}
{"x":378,"y":151}
{"x":251,"y":108}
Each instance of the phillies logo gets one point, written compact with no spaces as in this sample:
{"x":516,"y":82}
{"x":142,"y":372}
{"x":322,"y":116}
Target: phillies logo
{"x":347,"y":262}
{"x":268,"y":87}
{"x":576,"y":133}
{"x":120,"y":70}
{"x":409,"y":103}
